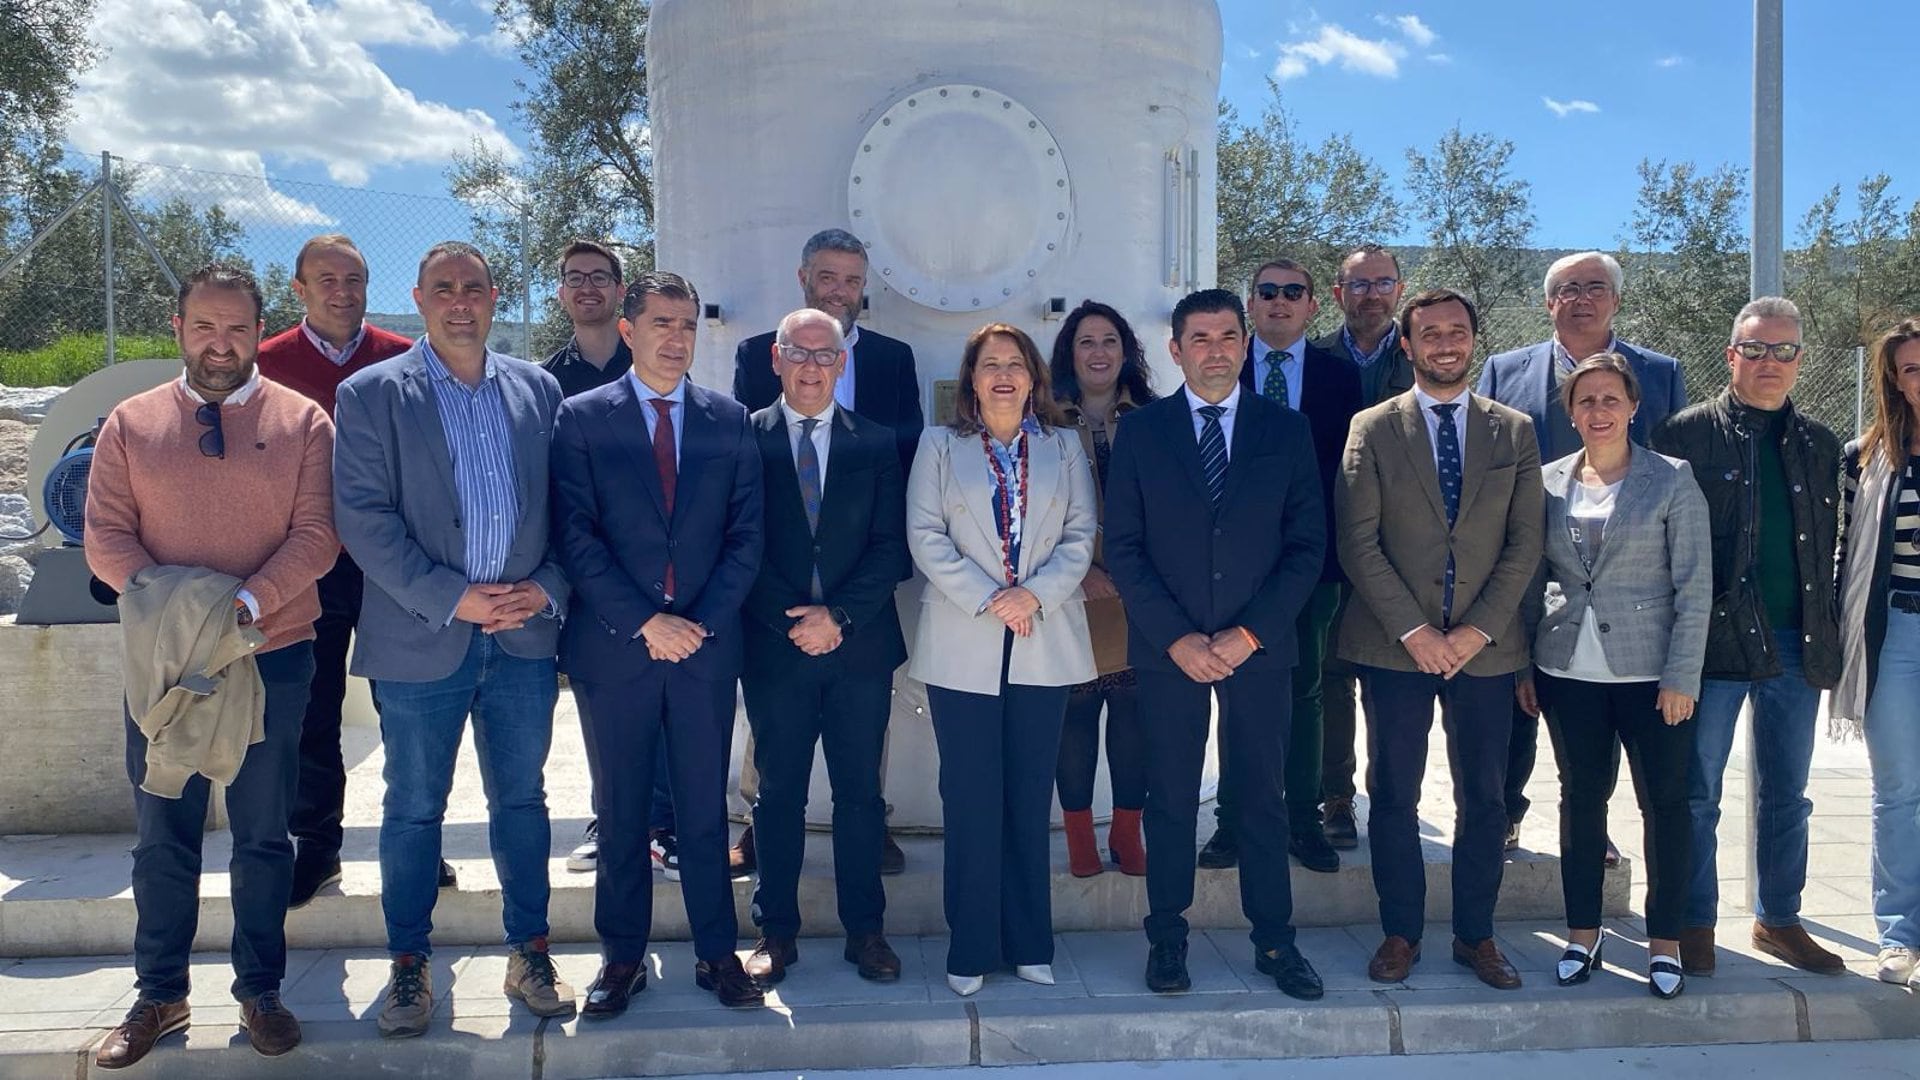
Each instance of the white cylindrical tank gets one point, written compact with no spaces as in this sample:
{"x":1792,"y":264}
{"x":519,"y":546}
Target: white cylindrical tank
{"x":995,"y":155}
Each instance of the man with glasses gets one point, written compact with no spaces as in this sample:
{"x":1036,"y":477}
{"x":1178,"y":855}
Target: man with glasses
{"x":594,"y":356}
{"x":1771,"y":477}
{"x":1583,"y":295}
{"x":219,"y":472}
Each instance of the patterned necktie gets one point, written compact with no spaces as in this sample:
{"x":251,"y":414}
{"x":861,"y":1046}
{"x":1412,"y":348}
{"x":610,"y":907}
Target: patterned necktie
{"x":1449,"y":467}
{"x":665,"y":460}
{"x":807,"y":460}
{"x":1213,"y":453}
{"x":1275,"y":388}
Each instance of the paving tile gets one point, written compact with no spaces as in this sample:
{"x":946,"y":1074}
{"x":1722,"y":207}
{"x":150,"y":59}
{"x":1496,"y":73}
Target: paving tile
{"x":1114,"y":963}
{"x":1002,"y":985}
{"x":346,"y":984}
{"x":64,"y":986}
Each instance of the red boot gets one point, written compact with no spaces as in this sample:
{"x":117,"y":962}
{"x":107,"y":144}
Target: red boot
{"x":1123,"y":839}
{"x":1083,"y":850}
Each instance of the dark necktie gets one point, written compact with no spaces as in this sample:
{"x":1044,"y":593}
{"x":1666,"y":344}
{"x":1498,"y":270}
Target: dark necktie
{"x":1213,"y":453}
{"x":807,"y":461}
{"x":1275,"y":388}
{"x":664,"y":460}
{"x":1449,"y":468}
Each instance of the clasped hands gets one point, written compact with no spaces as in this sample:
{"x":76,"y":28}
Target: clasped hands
{"x":1016,"y":607}
{"x":497,"y":607}
{"x":672,"y":638}
{"x":814,"y":631}
{"x":1210,"y":658}
{"x":1444,"y":654}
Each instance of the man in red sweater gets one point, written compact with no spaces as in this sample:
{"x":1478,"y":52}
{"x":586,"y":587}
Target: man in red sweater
{"x":314,"y":357}
{"x":223,"y":470}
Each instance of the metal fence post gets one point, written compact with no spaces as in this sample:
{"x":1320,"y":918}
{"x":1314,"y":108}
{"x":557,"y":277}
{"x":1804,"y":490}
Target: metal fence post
{"x":106,"y":243}
{"x":526,"y":284}
{"x":1859,"y":389}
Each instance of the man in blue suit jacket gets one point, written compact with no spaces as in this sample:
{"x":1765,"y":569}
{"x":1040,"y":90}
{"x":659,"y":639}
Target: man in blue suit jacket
{"x":1583,"y":294}
{"x":657,"y":519}
{"x":440,"y":494}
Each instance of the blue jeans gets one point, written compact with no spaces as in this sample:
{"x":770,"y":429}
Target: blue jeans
{"x":511,"y":702}
{"x":1893,"y":746}
{"x":1785,"y":711}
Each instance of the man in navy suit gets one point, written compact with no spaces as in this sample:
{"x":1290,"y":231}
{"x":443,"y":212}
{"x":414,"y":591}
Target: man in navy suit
{"x":1583,"y":295}
{"x":657,"y":521}
{"x":1212,"y":609}
{"x":1285,"y":368}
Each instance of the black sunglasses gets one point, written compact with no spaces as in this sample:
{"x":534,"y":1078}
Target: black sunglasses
{"x":1267,"y":290}
{"x":212,"y":442}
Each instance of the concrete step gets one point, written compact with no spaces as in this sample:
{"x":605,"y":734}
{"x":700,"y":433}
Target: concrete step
{"x":824,"y":1017}
{"x":69,"y":895}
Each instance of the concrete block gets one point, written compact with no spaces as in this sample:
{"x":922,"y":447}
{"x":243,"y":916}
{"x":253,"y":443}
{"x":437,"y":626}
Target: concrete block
{"x":644,"y":1043}
{"x":1610,"y":1011}
{"x":62,"y":746}
{"x":37,"y":1055}
{"x":1855,"y":1007}
{"x":332,"y":1050}
{"x":1201,"y":1026}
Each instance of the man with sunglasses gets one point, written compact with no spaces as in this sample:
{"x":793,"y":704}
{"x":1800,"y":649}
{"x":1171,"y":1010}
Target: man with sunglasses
{"x":219,"y":470}
{"x":1771,"y":477}
{"x":1583,"y":295}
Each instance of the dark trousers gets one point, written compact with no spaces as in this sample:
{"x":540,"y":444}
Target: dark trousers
{"x":1475,"y":711}
{"x":1590,"y":723}
{"x":660,"y":814}
{"x":322,"y":788}
{"x":166,"y":857}
{"x":1339,"y":721}
{"x":818,"y":702}
{"x":1523,"y":750}
{"x":1305,"y":744}
{"x":1255,"y":715}
{"x":626,"y":721}
{"x":997,"y":754}
{"x":1080,"y":747}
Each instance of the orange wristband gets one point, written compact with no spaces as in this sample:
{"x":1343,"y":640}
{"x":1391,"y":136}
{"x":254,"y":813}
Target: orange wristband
{"x":1252,"y":642}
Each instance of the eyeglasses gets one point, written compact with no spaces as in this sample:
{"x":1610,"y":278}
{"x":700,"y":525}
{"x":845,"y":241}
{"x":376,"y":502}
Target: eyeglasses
{"x":820,"y":358}
{"x":1573,"y":290}
{"x":599,"y":279}
{"x":212,"y":442}
{"x":1267,"y":290}
{"x":1784,"y":351}
{"x":1364,"y":286}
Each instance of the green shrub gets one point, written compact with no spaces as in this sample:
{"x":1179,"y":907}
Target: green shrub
{"x":76,"y":356}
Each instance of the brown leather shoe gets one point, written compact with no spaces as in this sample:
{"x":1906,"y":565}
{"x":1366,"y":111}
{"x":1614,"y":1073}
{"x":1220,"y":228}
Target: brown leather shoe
{"x":1696,"y":950}
{"x":1393,"y":961}
{"x":1791,"y":943}
{"x":269,"y":1026}
{"x":771,"y":957}
{"x":872,"y":957}
{"x":147,"y":1023}
{"x":741,"y":858}
{"x":1487,"y":964}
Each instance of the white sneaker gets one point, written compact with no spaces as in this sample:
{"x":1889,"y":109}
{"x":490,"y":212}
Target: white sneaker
{"x":1898,"y":964}
{"x":585,"y":859}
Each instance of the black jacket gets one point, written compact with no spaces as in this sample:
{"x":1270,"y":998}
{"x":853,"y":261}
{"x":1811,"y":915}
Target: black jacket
{"x":1717,"y":438}
{"x":1329,"y":398}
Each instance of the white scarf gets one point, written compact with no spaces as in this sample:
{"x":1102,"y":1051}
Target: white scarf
{"x":1847,"y":705}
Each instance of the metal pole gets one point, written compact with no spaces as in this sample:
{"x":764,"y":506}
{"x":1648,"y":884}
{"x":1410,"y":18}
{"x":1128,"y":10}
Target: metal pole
{"x":1768,"y":80}
{"x":106,"y":242}
{"x":526,"y":284}
{"x":1859,"y":389}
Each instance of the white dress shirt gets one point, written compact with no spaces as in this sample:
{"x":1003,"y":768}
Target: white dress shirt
{"x":1232,"y":406}
{"x":1293,"y":364}
{"x":821,"y":439}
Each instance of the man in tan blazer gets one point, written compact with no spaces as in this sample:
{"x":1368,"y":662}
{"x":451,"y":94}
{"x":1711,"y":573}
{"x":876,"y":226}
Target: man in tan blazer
{"x":1438,"y":512}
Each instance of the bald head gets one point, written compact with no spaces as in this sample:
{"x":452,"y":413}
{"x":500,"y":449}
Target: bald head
{"x":805,"y":317}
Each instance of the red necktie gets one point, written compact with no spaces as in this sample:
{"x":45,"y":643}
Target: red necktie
{"x":663,"y":459}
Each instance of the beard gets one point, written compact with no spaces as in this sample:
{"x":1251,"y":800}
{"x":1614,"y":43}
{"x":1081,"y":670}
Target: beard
{"x":207,"y":379}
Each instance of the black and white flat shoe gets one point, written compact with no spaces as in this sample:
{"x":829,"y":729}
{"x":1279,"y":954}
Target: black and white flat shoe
{"x":1665,"y":980}
{"x":1577,"y":963}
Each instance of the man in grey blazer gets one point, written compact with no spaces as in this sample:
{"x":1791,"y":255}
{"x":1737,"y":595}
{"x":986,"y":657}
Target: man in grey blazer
{"x":440,"y":494}
{"x":1438,"y":515}
{"x":1583,"y":295}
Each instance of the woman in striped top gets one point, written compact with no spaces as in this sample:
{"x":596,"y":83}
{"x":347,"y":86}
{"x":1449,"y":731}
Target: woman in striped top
{"x":1880,"y":608}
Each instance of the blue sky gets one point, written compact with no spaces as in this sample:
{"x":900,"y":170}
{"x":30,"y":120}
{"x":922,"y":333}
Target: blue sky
{"x":378,"y":94}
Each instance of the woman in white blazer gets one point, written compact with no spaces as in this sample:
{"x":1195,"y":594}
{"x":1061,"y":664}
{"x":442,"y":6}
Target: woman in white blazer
{"x":1001,"y":520}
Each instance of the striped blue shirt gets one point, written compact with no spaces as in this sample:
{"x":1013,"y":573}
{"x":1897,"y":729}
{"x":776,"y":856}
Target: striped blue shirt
{"x":480,"y":440}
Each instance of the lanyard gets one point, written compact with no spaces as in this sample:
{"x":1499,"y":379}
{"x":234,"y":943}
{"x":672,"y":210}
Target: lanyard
{"x":1004,"y":511}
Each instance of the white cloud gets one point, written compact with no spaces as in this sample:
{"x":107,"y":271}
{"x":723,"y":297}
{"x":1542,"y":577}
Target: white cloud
{"x":1671,"y":61}
{"x":226,"y":87}
{"x":1334,"y":44}
{"x":1563,"y":109}
{"x":1440,"y":58}
{"x":1411,"y":28}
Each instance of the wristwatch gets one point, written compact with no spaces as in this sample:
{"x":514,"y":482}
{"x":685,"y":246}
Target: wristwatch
{"x":840,"y":618}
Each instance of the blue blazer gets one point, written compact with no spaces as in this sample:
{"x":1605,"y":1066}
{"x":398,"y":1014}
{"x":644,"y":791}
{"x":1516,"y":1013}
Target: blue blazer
{"x":1525,"y":379}
{"x":613,"y":534}
{"x":398,"y":514}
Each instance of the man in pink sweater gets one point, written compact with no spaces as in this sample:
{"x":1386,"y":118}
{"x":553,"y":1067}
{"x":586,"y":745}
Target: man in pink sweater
{"x":227,"y":471}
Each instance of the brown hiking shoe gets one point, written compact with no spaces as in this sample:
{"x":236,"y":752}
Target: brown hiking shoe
{"x":269,"y":1026}
{"x":1393,"y":961}
{"x":407,"y":1004}
{"x":147,"y":1023}
{"x":1791,"y":943}
{"x":1696,"y":950}
{"x":533,"y":982}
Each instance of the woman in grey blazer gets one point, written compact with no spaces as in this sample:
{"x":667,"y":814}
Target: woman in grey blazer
{"x":1001,"y":520}
{"x":1620,"y":634}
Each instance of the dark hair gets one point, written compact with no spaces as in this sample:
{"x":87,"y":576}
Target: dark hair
{"x":1428,"y":299}
{"x":219,"y":275}
{"x":656,"y":283}
{"x":1280,"y":264}
{"x":1606,"y":361}
{"x":1206,"y":302}
{"x":1339,"y":274}
{"x":1135,"y":379}
{"x":832,"y":240}
{"x":1892,"y":427}
{"x":590,"y":247}
{"x":966,"y":407}
{"x":325,"y":240}
{"x":452,"y":247}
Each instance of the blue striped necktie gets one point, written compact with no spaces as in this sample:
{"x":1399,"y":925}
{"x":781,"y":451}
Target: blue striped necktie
{"x":1213,"y":453}
{"x":1449,"y":467}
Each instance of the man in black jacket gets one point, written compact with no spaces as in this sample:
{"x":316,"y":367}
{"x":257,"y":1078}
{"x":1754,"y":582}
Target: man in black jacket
{"x":1771,"y":477}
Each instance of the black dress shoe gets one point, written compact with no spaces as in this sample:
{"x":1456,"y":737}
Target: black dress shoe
{"x":1167,"y":969}
{"x":872,"y":957}
{"x":447,"y":880}
{"x":1309,"y":844}
{"x":310,"y":875}
{"x":770,"y":959}
{"x":729,"y":982}
{"x":1222,"y":851}
{"x":1342,"y":829}
{"x":1578,"y":962}
{"x":1291,"y":973}
{"x":613,"y":990}
{"x":892,"y":859}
